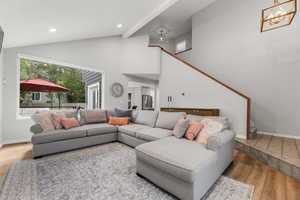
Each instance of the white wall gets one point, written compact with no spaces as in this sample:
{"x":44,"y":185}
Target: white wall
{"x":112,"y":55}
{"x":98,"y":54}
{"x":139,"y":59}
{"x":186,"y":56}
{"x":169,"y":46}
{"x":187,"y":37}
{"x":227,"y":44}
{"x":200,"y":92}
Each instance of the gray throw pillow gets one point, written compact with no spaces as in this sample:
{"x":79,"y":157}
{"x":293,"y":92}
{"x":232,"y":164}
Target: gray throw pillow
{"x":110,"y":113}
{"x":123,"y":113}
{"x":180,"y":128}
{"x":36,"y":129}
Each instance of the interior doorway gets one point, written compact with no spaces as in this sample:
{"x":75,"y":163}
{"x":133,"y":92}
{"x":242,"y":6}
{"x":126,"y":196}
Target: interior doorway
{"x":141,"y":96}
{"x":93,"y":96}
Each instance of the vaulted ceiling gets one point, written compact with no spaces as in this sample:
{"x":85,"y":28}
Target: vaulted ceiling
{"x":177,"y":19}
{"x":29,"y":22}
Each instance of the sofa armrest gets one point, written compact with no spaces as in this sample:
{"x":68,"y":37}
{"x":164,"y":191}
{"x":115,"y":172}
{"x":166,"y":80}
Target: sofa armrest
{"x":36,"y":129}
{"x":218,"y":140}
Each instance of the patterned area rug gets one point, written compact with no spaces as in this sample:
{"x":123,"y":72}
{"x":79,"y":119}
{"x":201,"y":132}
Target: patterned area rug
{"x":105,"y":172}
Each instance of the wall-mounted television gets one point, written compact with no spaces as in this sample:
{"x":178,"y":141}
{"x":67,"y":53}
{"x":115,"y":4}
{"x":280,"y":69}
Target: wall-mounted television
{"x":1,"y":38}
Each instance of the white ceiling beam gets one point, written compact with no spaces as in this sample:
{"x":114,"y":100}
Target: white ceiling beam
{"x":156,"y":12}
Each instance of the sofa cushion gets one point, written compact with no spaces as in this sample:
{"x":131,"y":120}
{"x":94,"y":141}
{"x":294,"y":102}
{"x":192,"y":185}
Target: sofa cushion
{"x":92,"y":116}
{"x":184,"y":159}
{"x":58,"y":135}
{"x":146,"y":117}
{"x":134,"y":115}
{"x":131,"y":129}
{"x":168,"y":120}
{"x":220,"y":139}
{"x":99,"y":129}
{"x":152,"y":134}
{"x":220,"y":119}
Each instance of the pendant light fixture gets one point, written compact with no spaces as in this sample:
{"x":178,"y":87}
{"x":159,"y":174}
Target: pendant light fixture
{"x":162,"y":34}
{"x":279,"y":15}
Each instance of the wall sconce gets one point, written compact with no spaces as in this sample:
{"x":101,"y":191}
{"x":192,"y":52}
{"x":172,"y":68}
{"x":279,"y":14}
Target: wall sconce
{"x":279,"y":15}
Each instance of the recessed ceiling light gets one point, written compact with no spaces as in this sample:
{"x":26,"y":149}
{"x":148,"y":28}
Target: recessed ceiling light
{"x":120,"y":25}
{"x":52,"y":30}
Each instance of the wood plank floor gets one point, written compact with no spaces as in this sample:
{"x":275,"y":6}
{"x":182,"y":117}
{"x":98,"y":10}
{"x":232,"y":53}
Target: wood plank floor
{"x":10,"y":154}
{"x":270,"y":184}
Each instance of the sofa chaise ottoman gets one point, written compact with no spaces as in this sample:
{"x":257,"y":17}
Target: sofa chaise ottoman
{"x":185,"y":168}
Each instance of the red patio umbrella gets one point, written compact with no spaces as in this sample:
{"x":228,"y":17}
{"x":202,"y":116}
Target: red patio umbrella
{"x":40,"y":85}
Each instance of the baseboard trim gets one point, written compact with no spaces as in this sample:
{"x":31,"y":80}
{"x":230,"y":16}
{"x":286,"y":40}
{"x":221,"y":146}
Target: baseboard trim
{"x":279,"y":135}
{"x":15,"y":141}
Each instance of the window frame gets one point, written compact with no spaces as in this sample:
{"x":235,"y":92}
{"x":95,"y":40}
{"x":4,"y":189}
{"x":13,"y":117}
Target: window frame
{"x":52,"y":61}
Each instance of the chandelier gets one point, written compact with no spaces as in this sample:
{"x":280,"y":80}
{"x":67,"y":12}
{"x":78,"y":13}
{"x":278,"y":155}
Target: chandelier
{"x":279,"y":15}
{"x":162,"y":34}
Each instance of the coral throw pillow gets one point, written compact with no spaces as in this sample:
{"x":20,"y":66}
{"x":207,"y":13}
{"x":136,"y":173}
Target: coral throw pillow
{"x":57,"y":120}
{"x":68,"y":123}
{"x":118,"y":121}
{"x":211,"y":127}
{"x":193,"y":130}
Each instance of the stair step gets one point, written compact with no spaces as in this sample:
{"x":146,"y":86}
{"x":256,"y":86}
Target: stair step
{"x":280,"y":153}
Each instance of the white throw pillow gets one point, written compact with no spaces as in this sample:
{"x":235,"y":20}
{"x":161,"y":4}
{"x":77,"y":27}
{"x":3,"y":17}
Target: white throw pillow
{"x":211,"y":127}
{"x":44,"y":119}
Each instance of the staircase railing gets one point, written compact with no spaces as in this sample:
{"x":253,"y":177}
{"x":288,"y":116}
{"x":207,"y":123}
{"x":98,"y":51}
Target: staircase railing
{"x":248,"y":100}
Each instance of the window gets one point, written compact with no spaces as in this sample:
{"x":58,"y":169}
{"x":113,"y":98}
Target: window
{"x":57,"y":87}
{"x":181,"y":46}
{"x":36,"y":96}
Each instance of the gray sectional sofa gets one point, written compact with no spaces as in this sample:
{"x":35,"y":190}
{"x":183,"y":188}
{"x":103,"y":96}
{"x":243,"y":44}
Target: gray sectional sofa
{"x":64,"y":140}
{"x":184,"y":168}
